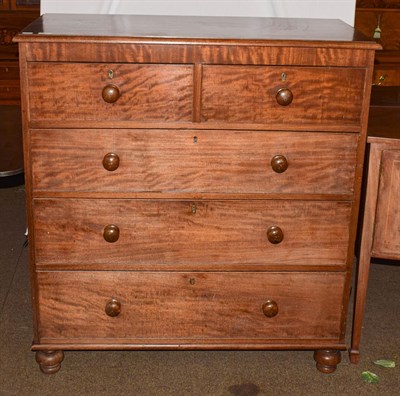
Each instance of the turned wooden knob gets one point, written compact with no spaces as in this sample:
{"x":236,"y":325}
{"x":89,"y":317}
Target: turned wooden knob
{"x":270,"y":308}
{"x":113,"y":308}
{"x":279,"y":163}
{"x":111,"y":162}
{"x":275,"y":234}
{"x":284,"y":96}
{"x":110,"y":93}
{"x":111,"y":233}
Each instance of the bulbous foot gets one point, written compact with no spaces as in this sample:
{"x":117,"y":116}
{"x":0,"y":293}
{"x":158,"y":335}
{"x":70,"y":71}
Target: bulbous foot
{"x":49,"y":361}
{"x":327,"y":360}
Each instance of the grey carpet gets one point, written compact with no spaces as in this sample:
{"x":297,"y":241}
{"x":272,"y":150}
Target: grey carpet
{"x":183,"y":372}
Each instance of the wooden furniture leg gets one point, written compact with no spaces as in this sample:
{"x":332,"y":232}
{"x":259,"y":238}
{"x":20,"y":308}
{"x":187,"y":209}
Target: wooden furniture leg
{"x":49,"y":361}
{"x":327,"y":360}
{"x":365,"y":252}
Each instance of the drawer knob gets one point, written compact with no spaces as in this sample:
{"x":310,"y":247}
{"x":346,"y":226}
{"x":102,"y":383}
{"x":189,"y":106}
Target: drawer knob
{"x":279,"y":163}
{"x":284,"y":96}
{"x":113,"y":308}
{"x":111,"y":233}
{"x":275,"y":234}
{"x":270,"y":308}
{"x":111,"y":93}
{"x":111,"y":162}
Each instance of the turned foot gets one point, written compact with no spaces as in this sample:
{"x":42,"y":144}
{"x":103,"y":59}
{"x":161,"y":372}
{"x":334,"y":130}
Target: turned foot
{"x":327,"y":360}
{"x":49,"y":361}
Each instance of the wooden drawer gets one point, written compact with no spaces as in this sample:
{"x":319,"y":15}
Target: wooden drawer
{"x":10,"y":90}
{"x":189,"y":234}
{"x":248,"y":94}
{"x":9,"y":71}
{"x":193,"y":161}
{"x":165,"y":307}
{"x":386,"y":75}
{"x":74,"y":92}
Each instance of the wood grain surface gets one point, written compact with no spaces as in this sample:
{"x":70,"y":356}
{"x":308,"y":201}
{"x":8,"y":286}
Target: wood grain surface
{"x":158,"y":220}
{"x":74,"y":91}
{"x":168,"y":306}
{"x":386,"y":242}
{"x":223,"y":53}
{"x":189,"y":233}
{"x":248,"y":94}
{"x":206,"y":161}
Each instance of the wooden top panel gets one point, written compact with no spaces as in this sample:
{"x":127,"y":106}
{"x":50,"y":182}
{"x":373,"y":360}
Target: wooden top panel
{"x":53,"y":27}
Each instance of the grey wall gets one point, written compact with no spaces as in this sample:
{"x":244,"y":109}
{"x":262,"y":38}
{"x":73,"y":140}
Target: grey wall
{"x":341,"y":9}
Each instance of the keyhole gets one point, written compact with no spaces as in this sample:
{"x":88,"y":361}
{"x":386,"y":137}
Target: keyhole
{"x":192,"y":281}
{"x":110,"y":74}
{"x":195,"y":139}
{"x":283,"y":76}
{"x":194,"y":208}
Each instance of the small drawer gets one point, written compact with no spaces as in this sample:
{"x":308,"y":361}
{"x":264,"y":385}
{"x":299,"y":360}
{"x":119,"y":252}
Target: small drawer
{"x":10,"y":90}
{"x":9,"y":71}
{"x":125,"y":234}
{"x":166,"y":307}
{"x":283,"y":97}
{"x":386,"y":76}
{"x":76,"y":92}
{"x":193,"y":161}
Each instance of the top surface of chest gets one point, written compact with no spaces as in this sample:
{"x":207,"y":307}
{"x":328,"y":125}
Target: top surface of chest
{"x":202,"y":40}
{"x":194,"y":28}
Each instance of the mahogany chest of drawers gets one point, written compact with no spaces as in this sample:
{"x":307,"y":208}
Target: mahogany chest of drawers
{"x":192,"y":182}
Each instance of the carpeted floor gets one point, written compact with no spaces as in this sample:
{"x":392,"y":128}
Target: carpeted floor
{"x":183,"y":373}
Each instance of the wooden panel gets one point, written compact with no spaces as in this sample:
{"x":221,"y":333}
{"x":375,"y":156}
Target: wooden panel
{"x":387,"y":223}
{"x":74,"y":92}
{"x":25,"y":4}
{"x":170,"y":306}
{"x":9,"y":83}
{"x":9,"y":71}
{"x":11,"y":24}
{"x":194,"y":53}
{"x":4,"y":4}
{"x":11,"y":157}
{"x":320,"y":95}
{"x":189,"y":234}
{"x":9,"y":92}
{"x":366,"y":21}
{"x":387,"y":75}
{"x":193,"y":161}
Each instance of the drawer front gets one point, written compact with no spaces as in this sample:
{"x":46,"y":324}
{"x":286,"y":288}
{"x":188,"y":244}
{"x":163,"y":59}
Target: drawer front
{"x":74,"y":92}
{"x":244,"y":94}
{"x":386,"y":76}
{"x":193,"y":161}
{"x":188,"y":233}
{"x":9,"y":71}
{"x":10,"y":90}
{"x":152,"y":307}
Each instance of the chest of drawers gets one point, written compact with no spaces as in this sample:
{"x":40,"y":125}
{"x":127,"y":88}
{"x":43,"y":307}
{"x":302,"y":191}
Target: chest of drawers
{"x":192,"y":183}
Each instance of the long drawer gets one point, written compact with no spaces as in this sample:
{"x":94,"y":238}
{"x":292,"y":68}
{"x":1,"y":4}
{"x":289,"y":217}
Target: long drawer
{"x":193,"y":161}
{"x":161,"y":307}
{"x":123,"y":233}
{"x":107,"y":92}
{"x":290,"y":96}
